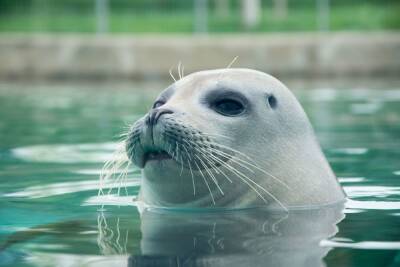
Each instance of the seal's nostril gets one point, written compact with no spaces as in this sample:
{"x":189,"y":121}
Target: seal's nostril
{"x":156,"y":113}
{"x":161,"y":112}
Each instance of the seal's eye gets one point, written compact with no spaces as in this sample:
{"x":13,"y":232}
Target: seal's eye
{"x":158,"y":104}
{"x":272,"y":101}
{"x":228,"y":107}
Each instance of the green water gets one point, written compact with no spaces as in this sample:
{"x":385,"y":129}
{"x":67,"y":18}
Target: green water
{"x":54,"y":140}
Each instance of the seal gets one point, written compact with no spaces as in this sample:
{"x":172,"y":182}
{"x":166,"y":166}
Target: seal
{"x":230,"y":138}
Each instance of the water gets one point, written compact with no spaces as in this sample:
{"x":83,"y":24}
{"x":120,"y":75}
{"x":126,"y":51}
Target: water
{"x":54,"y":140}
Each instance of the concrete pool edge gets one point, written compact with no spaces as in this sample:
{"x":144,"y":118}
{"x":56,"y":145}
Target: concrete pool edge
{"x":150,"y":57}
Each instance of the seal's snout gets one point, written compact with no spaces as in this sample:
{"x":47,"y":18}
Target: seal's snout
{"x":147,"y":138}
{"x":155,"y":114}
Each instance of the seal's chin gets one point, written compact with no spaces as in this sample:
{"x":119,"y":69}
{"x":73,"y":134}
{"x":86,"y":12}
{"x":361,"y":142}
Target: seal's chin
{"x":155,"y":156}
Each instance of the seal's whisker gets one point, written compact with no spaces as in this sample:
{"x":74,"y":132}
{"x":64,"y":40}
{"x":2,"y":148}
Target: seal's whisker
{"x":223,"y":163}
{"x":123,"y":135}
{"x":180,"y":174}
{"x":170,"y":74}
{"x":169,"y":150}
{"x":246,"y":168}
{"x":119,"y":180}
{"x":217,"y":135}
{"x":177,"y":148}
{"x":237,"y":173}
{"x":235,"y":159}
{"x":205,"y":181}
{"x":108,"y":171}
{"x":230,"y":157}
{"x":270,"y":194}
{"x":225,"y":155}
{"x":211,"y":162}
{"x":217,"y":160}
{"x":118,"y":164}
{"x":263,"y":189}
{"x":233,"y":61}
{"x":122,"y":176}
{"x":252,"y":165}
{"x":221,"y":171}
{"x":250,"y":183}
{"x":228,"y":67}
{"x":179,"y":70}
{"x":210,"y":156}
{"x":210,"y":174}
{"x":206,"y":157}
{"x":190,"y":168}
{"x":231,"y":149}
{"x":246,"y":178}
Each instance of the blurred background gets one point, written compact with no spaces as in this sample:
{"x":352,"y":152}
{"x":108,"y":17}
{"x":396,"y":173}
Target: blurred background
{"x":74,"y":74}
{"x":143,"y":39}
{"x":197,"y":16}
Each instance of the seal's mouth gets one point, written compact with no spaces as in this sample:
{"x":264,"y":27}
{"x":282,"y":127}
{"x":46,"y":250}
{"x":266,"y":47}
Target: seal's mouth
{"x":175,"y":143}
{"x":155,"y":155}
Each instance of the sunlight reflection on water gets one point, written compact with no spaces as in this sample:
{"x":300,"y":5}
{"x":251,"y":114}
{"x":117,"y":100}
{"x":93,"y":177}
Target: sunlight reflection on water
{"x":77,"y":153}
{"x":51,"y":212}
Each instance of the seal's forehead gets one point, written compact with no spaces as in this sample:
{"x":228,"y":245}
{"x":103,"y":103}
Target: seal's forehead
{"x":167,"y":92}
{"x":236,"y":79}
{"x":249,"y":83}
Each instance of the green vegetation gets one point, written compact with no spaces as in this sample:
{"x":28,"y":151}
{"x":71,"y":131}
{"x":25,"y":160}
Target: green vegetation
{"x":178,"y":16}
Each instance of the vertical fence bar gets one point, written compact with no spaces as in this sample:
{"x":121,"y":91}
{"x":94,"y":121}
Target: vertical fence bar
{"x":39,"y":14}
{"x":280,"y":9}
{"x":101,"y":16}
{"x":323,"y":15}
{"x":200,"y":16}
{"x":251,"y":13}
{"x":222,"y":8}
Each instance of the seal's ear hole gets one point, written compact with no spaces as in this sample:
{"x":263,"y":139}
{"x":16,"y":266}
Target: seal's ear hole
{"x":272,"y":101}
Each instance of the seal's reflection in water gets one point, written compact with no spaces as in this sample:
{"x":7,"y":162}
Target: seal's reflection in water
{"x":253,"y":237}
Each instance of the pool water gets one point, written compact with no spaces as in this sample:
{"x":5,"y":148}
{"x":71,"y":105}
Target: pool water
{"x":54,"y":140}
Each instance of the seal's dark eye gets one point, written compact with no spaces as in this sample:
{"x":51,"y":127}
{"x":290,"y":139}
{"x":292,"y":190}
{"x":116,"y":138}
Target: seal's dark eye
{"x":158,"y":103}
{"x":272,"y":101}
{"x":228,"y":107}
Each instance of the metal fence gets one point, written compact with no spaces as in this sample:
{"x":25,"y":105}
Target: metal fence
{"x":195,"y":16}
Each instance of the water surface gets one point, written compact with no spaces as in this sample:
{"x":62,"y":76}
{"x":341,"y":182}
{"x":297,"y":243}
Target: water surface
{"x":55,"y":138}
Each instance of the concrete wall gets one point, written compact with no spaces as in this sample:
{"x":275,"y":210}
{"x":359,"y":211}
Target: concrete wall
{"x":150,"y":57}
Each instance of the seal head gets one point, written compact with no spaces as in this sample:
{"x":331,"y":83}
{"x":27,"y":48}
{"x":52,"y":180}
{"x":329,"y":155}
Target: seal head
{"x":230,"y":138}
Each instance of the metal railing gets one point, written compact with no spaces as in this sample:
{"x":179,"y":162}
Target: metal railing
{"x":250,"y":11}
{"x":190,"y":16}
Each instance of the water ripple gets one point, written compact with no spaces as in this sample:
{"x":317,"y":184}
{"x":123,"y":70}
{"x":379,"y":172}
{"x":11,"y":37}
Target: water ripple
{"x":66,"y":188}
{"x":351,"y":150}
{"x":110,"y":200}
{"x":361,"y":245}
{"x":368,"y":191}
{"x":76,"y":153}
{"x":356,"y":206}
